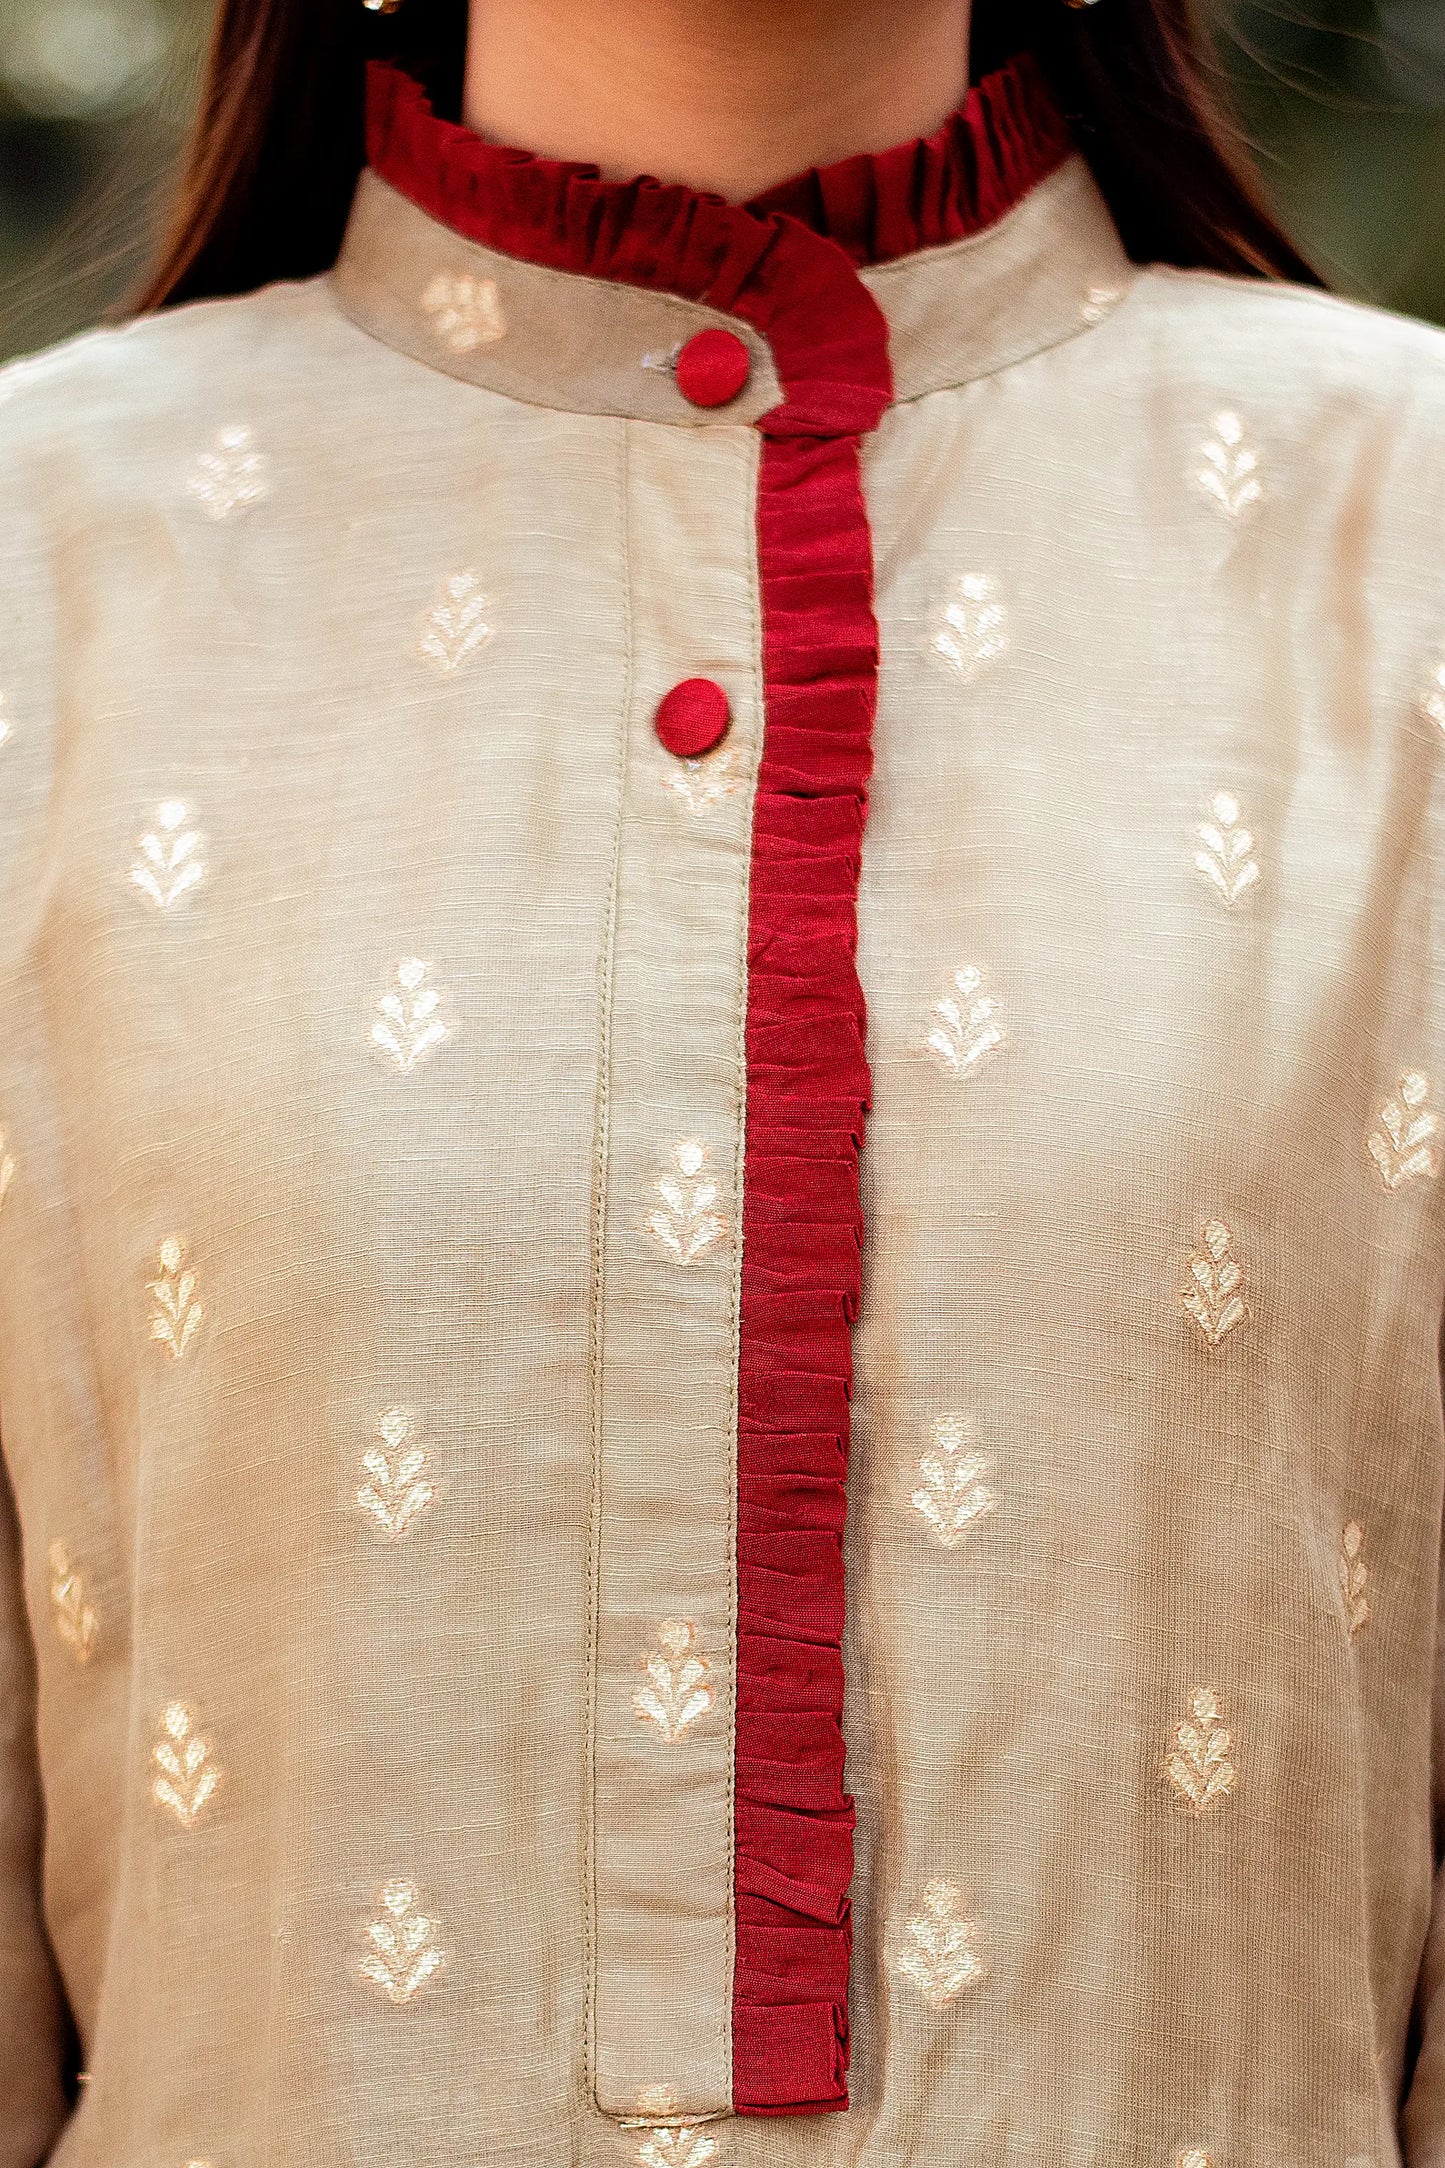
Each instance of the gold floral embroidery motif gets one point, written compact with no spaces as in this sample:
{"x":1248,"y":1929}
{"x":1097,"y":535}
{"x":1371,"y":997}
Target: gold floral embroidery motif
{"x":177,"y":1315}
{"x":975,"y":626}
{"x":964,"y":1024}
{"x":684,"y":2146}
{"x":1225,"y":847}
{"x":676,"y":1693}
{"x":1199,"y":1767}
{"x":1215,"y":1297}
{"x":1433,"y":699}
{"x":7,"y":1168}
{"x":404,"y":1952}
{"x":395,"y":1490}
{"x":1229,"y":475}
{"x":1405,"y":1147}
{"x":75,"y":1619}
{"x":232,"y":476}
{"x":455,"y":628}
{"x":1099,"y":302}
{"x":688,"y":1224}
{"x":1194,"y":2157}
{"x":953,"y":1496}
{"x":667,"y":2141}
{"x":408,"y":1020}
{"x":168,"y":865}
{"x":703,"y":783}
{"x":1354,"y":1579}
{"x":466,"y":312}
{"x":187,"y":1776}
{"x":941,"y":1960}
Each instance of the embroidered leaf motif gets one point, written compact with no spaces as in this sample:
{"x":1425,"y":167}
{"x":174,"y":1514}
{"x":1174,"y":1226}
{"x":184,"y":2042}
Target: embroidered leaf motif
{"x":703,"y":783}
{"x":1229,"y":473}
{"x":964,"y":1025}
{"x":231,"y":476}
{"x":75,"y":1619}
{"x":455,"y":628}
{"x":975,"y":626}
{"x":1405,"y":1147}
{"x":1099,"y":302}
{"x":466,"y":312}
{"x":395,"y":1490}
{"x":167,"y":864}
{"x":408,"y":1020}
{"x":684,"y":2147}
{"x":7,"y":1169}
{"x":688,"y":1224}
{"x":1199,"y":1768}
{"x":1354,"y":1579}
{"x":1433,"y":699}
{"x":1194,"y":2157}
{"x":676,"y":1692}
{"x":941,"y":1960}
{"x":1215,"y":1297}
{"x":187,"y":1777}
{"x":404,"y":1952}
{"x":1225,"y":847}
{"x":953,"y":1496}
{"x":677,"y":2144}
{"x":177,"y":1314}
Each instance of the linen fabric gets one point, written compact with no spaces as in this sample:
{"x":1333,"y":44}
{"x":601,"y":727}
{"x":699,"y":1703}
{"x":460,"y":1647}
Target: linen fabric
{"x":433,"y":1176}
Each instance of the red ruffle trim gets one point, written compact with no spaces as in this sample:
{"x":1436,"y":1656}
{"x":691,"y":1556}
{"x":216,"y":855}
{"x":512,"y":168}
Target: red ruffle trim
{"x":1005,"y":138}
{"x":807,"y":1074}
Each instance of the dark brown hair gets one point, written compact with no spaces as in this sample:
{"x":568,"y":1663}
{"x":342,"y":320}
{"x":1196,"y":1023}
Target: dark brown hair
{"x":278,"y":140}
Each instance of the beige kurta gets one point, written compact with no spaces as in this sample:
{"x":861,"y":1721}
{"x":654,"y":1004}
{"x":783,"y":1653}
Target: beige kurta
{"x":373,"y":1103}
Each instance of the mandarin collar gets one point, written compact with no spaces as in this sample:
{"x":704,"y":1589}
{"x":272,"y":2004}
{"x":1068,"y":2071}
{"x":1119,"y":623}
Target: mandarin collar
{"x":881,"y":278}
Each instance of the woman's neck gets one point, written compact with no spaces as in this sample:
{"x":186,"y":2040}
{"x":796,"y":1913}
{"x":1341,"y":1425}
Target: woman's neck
{"x":731,"y":95}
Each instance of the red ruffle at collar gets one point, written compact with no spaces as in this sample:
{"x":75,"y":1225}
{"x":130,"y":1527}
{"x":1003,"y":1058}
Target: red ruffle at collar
{"x":1008,"y":135}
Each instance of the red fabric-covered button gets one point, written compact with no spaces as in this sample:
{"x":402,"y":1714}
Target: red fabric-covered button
{"x":693,"y":718}
{"x":713,"y":368}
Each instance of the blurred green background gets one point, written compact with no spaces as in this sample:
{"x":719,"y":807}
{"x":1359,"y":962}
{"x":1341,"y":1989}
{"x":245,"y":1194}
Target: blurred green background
{"x":1343,"y":99}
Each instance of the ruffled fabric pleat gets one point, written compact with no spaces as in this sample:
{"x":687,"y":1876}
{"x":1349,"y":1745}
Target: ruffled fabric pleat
{"x":786,"y":265}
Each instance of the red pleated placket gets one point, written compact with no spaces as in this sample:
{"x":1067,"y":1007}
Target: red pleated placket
{"x":807,"y":1071}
